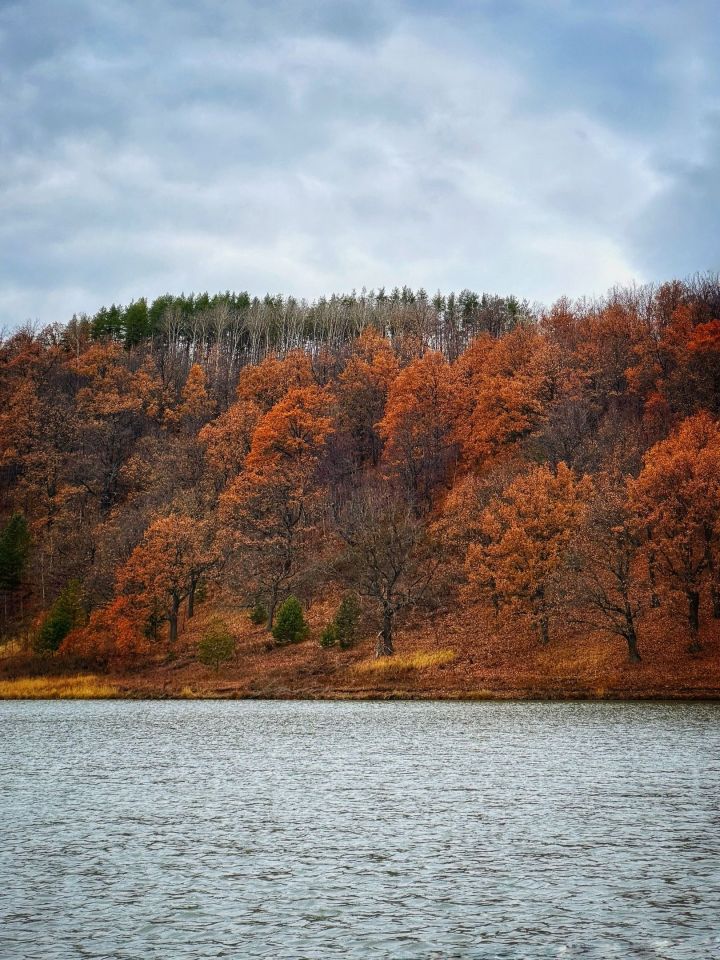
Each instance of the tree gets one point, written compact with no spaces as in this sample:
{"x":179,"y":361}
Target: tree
{"x":389,"y":556}
{"x":195,"y":406}
{"x":606,"y":589}
{"x":14,"y":548}
{"x":362,"y":390}
{"x":503,"y":389}
{"x":217,"y":644}
{"x":227,"y":439}
{"x":164,"y":569}
{"x":676,"y":499}
{"x":269,"y":381}
{"x":66,"y":613}
{"x":417,"y":427}
{"x":342,"y":629}
{"x":270,"y":509}
{"x":290,"y":626}
{"x":525,"y":536}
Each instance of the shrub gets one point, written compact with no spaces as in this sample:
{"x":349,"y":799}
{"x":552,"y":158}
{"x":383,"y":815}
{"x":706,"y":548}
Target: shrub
{"x":65,"y":614}
{"x":217,"y":645}
{"x":258,"y":614}
{"x":329,"y":636}
{"x":346,"y":620}
{"x":290,"y":626}
{"x":342,"y":629}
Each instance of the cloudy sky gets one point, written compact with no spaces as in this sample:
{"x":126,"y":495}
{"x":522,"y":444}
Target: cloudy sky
{"x":534,"y":147}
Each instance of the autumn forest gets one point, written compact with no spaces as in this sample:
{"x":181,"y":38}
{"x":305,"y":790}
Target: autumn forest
{"x":384,"y":493}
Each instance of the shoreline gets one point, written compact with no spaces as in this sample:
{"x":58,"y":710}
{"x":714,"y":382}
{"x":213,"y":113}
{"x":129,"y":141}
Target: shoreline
{"x":108,"y":688}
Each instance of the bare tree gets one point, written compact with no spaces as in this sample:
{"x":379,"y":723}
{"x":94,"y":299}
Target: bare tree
{"x":388,"y":556}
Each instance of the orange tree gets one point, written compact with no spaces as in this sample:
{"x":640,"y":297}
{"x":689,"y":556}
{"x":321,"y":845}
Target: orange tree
{"x":676,"y":500}
{"x":525,"y":535}
{"x":164,"y":569}
{"x":270,"y":508}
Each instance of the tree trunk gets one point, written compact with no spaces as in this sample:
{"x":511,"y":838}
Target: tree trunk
{"x":385,"y":647}
{"x":173,"y":620}
{"x":191,"y":599}
{"x":631,"y":636}
{"x":715,"y":595}
{"x":272,"y":607}
{"x":633,"y":652}
{"x":544,"y":629}
{"x":693,"y":598}
{"x":654,"y":598}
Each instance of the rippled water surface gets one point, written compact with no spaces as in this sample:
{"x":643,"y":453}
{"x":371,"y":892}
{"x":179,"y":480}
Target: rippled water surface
{"x":393,"y":830}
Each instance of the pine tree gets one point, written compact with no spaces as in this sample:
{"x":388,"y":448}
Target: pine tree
{"x":66,"y":613}
{"x":290,"y":626}
{"x":14,"y":548}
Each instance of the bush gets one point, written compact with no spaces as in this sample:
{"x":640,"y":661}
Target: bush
{"x":65,"y":614}
{"x":217,"y":645}
{"x":329,"y":636}
{"x":290,"y":626}
{"x":258,"y":614}
{"x":346,"y":620}
{"x":342,"y":629}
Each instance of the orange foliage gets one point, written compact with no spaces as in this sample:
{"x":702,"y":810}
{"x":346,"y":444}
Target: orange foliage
{"x":114,"y":635}
{"x":525,"y":534}
{"x":268,"y":381}
{"x":195,"y":406}
{"x":418,"y":425}
{"x":227,"y":438}
{"x":362,"y":391}
{"x":676,"y":499}
{"x":504,"y":387}
{"x":165,"y":568}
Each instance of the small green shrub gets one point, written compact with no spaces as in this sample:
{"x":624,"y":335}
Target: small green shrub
{"x":342,"y":629}
{"x":346,"y":621}
{"x":290,"y":626}
{"x":217,"y":645}
{"x":329,"y":637}
{"x":258,"y":614}
{"x":66,"y":613}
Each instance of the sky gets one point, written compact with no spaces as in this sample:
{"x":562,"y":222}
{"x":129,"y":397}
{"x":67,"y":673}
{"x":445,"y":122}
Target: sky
{"x":531,"y":147}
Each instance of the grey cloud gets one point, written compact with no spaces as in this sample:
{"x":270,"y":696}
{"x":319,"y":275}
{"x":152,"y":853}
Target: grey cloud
{"x":305,"y":147}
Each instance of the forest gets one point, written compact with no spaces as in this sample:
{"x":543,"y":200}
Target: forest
{"x":458,"y":481}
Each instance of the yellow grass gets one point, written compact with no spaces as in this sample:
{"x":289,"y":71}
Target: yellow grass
{"x":421,"y":660}
{"x":80,"y":687}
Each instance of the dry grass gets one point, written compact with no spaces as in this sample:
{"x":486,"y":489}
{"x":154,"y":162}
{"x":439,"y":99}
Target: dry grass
{"x":420,"y":660}
{"x":79,"y":687}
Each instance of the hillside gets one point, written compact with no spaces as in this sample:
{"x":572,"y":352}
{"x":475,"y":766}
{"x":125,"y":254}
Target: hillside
{"x":475,"y":498}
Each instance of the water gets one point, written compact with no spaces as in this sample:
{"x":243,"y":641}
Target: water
{"x":181,"y":830}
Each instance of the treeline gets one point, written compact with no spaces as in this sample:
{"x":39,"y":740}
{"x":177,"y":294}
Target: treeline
{"x":557,"y":469}
{"x":250,"y":327}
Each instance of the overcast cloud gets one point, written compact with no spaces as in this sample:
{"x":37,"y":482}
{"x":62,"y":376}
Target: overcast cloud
{"x":534,"y":147}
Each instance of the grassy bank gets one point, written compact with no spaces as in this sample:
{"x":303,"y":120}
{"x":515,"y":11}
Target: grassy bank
{"x":455,"y":657}
{"x":78,"y":687}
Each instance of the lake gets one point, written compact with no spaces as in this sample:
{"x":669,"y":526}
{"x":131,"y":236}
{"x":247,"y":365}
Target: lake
{"x":388,"y":830}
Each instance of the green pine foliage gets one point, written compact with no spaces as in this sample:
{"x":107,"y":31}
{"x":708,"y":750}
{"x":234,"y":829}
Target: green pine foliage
{"x":346,"y":620}
{"x":217,"y":646}
{"x":66,"y":613}
{"x":329,"y":636}
{"x":258,"y":614}
{"x":14,"y":549}
{"x":290,"y":625}
{"x":342,"y":629}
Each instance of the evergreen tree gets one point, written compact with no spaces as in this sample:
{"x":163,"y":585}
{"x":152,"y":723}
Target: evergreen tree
{"x":66,"y":613}
{"x":290,"y":626}
{"x":14,"y":548}
{"x":346,"y":621}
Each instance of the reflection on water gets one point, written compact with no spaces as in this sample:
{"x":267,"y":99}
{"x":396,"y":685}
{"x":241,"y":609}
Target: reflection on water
{"x":385,"y":830}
